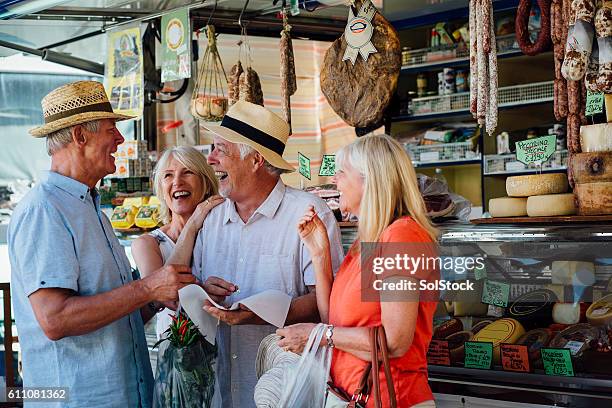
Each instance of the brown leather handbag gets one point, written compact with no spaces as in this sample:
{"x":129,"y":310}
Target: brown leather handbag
{"x":369,"y":385}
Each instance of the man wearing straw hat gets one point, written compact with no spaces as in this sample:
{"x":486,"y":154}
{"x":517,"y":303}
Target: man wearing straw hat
{"x":78,"y":310}
{"x":250,"y":243}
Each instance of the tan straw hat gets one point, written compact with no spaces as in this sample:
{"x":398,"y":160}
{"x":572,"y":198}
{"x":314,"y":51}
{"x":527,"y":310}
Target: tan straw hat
{"x":257,"y":127}
{"x":74,"y":103}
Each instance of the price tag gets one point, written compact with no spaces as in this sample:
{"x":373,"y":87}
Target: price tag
{"x":534,"y":150}
{"x":515,"y":357}
{"x":478,"y":354}
{"x":429,"y":156}
{"x":304,"y":165}
{"x":557,"y":362}
{"x":574,"y":346}
{"x":495,"y":293}
{"x":594,"y":103}
{"x":328,"y":165}
{"x":480,"y":273}
{"x":438,"y":353}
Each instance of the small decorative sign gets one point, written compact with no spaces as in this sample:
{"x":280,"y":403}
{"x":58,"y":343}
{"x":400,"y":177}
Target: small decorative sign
{"x":304,"y":165}
{"x":478,"y":354}
{"x":480,"y":273}
{"x":438,"y":353}
{"x":495,"y":293}
{"x":176,"y":50}
{"x":594,"y":103}
{"x":515,"y":357}
{"x":557,"y":361}
{"x":358,"y":33}
{"x":536,"y":150}
{"x":328,"y":165}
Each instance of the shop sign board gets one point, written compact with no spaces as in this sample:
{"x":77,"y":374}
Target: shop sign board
{"x":478,"y":354}
{"x":438,"y":353}
{"x":536,"y":150}
{"x":495,"y":293}
{"x":515,"y":357}
{"x":557,"y":361}
{"x":124,"y":72}
{"x":304,"y":165}
{"x":176,"y":46}
{"x":328,"y":165}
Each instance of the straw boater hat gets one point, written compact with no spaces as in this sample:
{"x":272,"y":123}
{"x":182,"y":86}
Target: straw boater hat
{"x":75,"y":103}
{"x":257,"y":127}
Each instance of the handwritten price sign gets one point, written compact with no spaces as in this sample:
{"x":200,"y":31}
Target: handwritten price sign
{"x":557,"y":362}
{"x":536,"y":150}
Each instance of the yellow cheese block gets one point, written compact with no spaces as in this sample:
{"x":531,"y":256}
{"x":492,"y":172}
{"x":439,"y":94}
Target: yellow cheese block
{"x":600,"y":312}
{"x":123,"y":217}
{"x":536,"y":184}
{"x":500,"y":331}
{"x":551,"y":205}
{"x":572,"y":273}
{"x":508,"y":207}
{"x":596,"y":138}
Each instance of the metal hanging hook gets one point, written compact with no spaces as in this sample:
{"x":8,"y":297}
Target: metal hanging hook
{"x":212,"y":12}
{"x":246,"y":3}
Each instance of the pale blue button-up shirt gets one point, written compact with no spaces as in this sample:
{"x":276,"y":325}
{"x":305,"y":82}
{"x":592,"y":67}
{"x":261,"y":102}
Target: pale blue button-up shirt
{"x":59,"y":238}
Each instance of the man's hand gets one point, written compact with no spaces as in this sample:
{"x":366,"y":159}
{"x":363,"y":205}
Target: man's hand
{"x":234,"y":317}
{"x":295,"y":337}
{"x":165,"y":282}
{"x":219,"y":289}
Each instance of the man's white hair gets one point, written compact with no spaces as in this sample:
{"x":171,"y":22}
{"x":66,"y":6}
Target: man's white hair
{"x":245,"y":150}
{"x":61,"y":138}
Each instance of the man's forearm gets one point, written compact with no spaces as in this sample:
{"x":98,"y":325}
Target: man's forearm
{"x":303,"y":309}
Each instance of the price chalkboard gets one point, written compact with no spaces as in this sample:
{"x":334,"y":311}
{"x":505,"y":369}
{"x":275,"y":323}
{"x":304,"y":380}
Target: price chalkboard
{"x":438,"y":353}
{"x":478,"y":354}
{"x":594,"y":103}
{"x":557,"y":362}
{"x":515,"y":357}
{"x":536,"y":150}
{"x":495,"y":293}
{"x":328,"y":165}
{"x":304,"y":163}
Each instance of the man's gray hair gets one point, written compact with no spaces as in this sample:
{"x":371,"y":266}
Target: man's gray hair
{"x":245,"y":150}
{"x":61,"y":138}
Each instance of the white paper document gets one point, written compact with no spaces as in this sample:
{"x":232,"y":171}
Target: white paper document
{"x":271,"y":305}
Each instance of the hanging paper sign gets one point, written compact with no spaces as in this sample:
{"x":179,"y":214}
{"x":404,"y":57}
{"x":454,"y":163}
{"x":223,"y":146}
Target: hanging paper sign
{"x":328,"y":165}
{"x":124,"y":72}
{"x":438,"y":353}
{"x":594,"y":103}
{"x":515,"y":357}
{"x":176,"y":50}
{"x":557,"y":362}
{"x":495,"y":293}
{"x":304,"y":165}
{"x":535,"y":150}
{"x":358,"y":33}
{"x":478,"y":354}
{"x":480,"y":273}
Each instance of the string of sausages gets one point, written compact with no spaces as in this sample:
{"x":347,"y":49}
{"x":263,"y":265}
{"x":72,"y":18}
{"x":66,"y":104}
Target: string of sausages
{"x":522,"y":27}
{"x":483,"y":65}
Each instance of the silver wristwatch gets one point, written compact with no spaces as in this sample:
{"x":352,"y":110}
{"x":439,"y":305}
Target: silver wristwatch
{"x":328,"y":336}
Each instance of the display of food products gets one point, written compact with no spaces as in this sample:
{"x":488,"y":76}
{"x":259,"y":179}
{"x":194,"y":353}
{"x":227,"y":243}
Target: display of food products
{"x":447,"y":328}
{"x":536,"y":184}
{"x":148,"y":215}
{"x":504,"y":330}
{"x":123,"y":217}
{"x":421,"y":85}
{"x":522,"y":27}
{"x":456,"y":345}
{"x":533,"y":309}
{"x":591,"y":167}
{"x":508,"y":207}
{"x":596,"y":138}
{"x":534,"y":340}
{"x":480,"y":325}
{"x":581,"y":334}
{"x":569,"y":313}
{"x":461,"y":81}
{"x":600,"y":312}
{"x":550,"y":205}
{"x":594,"y":198}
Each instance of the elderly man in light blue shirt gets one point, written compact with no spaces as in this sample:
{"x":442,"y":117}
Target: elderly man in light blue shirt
{"x":79,"y":312}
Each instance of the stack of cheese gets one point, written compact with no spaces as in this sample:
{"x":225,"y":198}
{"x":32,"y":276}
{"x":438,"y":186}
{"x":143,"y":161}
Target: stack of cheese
{"x":591,"y":170}
{"x":537,"y":195}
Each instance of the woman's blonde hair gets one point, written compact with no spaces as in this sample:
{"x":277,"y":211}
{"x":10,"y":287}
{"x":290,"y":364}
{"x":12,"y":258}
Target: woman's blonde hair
{"x":390,"y":185}
{"x":194,"y":161}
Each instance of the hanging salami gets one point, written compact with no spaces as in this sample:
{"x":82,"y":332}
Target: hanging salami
{"x":522,"y":27}
{"x":287,"y":70}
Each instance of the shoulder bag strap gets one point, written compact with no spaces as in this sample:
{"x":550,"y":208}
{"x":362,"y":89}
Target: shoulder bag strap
{"x":382,"y":343}
{"x":375,"y":367}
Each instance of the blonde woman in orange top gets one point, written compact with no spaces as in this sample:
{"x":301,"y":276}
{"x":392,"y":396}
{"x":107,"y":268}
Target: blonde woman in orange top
{"x":377,"y":181}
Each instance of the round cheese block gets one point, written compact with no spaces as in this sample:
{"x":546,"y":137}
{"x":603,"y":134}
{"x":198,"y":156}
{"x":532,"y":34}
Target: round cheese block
{"x":500,"y":331}
{"x":480,"y":325}
{"x":596,"y":138}
{"x":456,"y":345}
{"x":508,"y":207}
{"x":533,"y":309}
{"x":568,"y":313}
{"x":447,"y":328}
{"x":591,"y":167}
{"x":551,"y":205}
{"x":594,"y":198}
{"x":600,"y":312}
{"x":582,"y":332}
{"x":536,"y":184}
{"x":534,"y":340}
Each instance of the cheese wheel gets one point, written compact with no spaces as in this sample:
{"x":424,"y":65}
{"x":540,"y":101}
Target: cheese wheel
{"x":474,"y":308}
{"x":591,"y":167}
{"x":456,"y":345}
{"x":447,"y":328}
{"x":533,"y":309}
{"x":508,"y":207}
{"x":594,"y":198}
{"x":534,"y":340}
{"x":536,"y":184}
{"x":600,"y":312}
{"x":551,"y":205}
{"x":480,"y":325}
{"x":596,"y":138}
{"x":572,"y":273}
{"x":498,"y":332}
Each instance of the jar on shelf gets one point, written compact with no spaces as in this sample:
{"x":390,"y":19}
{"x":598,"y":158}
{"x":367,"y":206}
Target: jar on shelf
{"x":421,"y":85}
